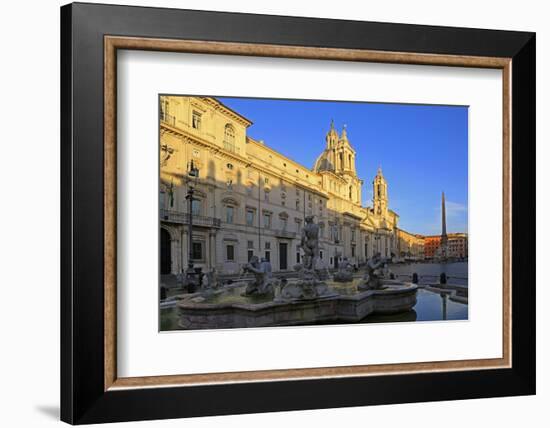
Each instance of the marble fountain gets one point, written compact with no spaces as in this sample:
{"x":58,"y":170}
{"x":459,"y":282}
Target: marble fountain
{"x":310,"y":298}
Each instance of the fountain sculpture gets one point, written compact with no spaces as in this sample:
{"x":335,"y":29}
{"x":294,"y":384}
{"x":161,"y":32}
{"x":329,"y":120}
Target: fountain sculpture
{"x":264,"y":282}
{"x":376,"y":272}
{"x":308,"y":299}
{"x":344,"y":272}
{"x":309,"y":285}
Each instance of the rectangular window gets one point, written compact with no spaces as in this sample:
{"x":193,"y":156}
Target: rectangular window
{"x":267,"y":220}
{"x":196,"y":207}
{"x":268,"y":256}
{"x":297,"y":257}
{"x":284,"y":223}
{"x":250,"y":217}
{"x":250,"y":254}
{"x":249,"y":244}
{"x":321,"y":255}
{"x":196,"y":251}
{"x":353,"y":234}
{"x":229,"y":211}
{"x":268,"y":245}
{"x":164,"y":109}
{"x":197,"y":120}
{"x":334,"y":233}
{"x":353,"y":251}
{"x":230,"y":252}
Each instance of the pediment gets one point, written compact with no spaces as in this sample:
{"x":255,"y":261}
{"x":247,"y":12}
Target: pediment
{"x":230,"y":200}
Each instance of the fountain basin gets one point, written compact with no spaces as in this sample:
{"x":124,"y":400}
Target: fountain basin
{"x":395,"y":297}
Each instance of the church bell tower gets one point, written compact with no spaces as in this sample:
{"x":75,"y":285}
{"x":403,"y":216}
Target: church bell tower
{"x":345,"y":155}
{"x":338,"y":158}
{"x":380,"y":194}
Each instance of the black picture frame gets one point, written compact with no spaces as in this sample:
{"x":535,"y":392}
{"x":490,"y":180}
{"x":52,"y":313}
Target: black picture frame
{"x":83,"y":398}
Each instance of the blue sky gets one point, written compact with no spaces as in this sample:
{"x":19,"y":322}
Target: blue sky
{"x":423,"y":150}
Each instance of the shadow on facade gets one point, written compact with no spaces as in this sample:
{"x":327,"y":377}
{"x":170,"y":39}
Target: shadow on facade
{"x":250,"y":215}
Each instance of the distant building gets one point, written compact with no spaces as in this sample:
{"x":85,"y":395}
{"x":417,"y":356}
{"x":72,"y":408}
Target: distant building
{"x":431,"y":245}
{"x":456,"y":247}
{"x":251,"y":200}
{"x":409,"y":246}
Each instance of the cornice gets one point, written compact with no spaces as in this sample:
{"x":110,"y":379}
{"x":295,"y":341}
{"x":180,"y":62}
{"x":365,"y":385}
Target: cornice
{"x":219,"y":106}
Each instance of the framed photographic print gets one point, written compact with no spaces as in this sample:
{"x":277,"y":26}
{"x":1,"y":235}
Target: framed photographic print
{"x":273,"y":213}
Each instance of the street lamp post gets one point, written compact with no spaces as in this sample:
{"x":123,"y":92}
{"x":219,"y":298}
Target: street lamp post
{"x":193,"y":173}
{"x":189,"y":198}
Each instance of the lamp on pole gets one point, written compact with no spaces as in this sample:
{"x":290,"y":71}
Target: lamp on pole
{"x":193,"y":177}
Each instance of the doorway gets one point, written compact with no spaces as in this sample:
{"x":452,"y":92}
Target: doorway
{"x":165,"y":252}
{"x":283,"y":256}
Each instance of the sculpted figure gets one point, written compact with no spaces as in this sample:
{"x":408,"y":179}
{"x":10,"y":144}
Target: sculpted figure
{"x":310,"y":243}
{"x":206,"y":281}
{"x":263,"y":282}
{"x":375,"y":271}
{"x":344,"y":273}
{"x":214,"y":278}
{"x":210,"y":279}
{"x":309,"y":284}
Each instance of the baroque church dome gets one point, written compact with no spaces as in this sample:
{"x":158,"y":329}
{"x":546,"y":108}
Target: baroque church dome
{"x":325,"y":161}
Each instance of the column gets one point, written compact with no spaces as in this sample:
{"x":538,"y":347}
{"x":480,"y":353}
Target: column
{"x":176,"y":255}
{"x":212,"y":250}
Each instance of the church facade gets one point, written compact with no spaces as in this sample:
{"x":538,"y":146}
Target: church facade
{"x":251,"y":200}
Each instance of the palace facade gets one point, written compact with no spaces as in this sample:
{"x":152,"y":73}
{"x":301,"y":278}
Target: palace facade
{"x":410,"y":246}
{"x":251,"y":200}
{"x":456,"y":246}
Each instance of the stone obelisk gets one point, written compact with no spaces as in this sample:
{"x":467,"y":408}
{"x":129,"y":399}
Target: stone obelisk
{"x":443,"y":227}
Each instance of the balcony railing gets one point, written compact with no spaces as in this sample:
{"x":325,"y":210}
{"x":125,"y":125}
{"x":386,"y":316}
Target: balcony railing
{"x":183,"y":218}
{"x":230,"y":147}
{"x":282,"y":233}
{"x":166,"y":118}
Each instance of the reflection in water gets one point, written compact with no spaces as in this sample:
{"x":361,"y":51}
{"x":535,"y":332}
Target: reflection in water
{"x":429,"y":306}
